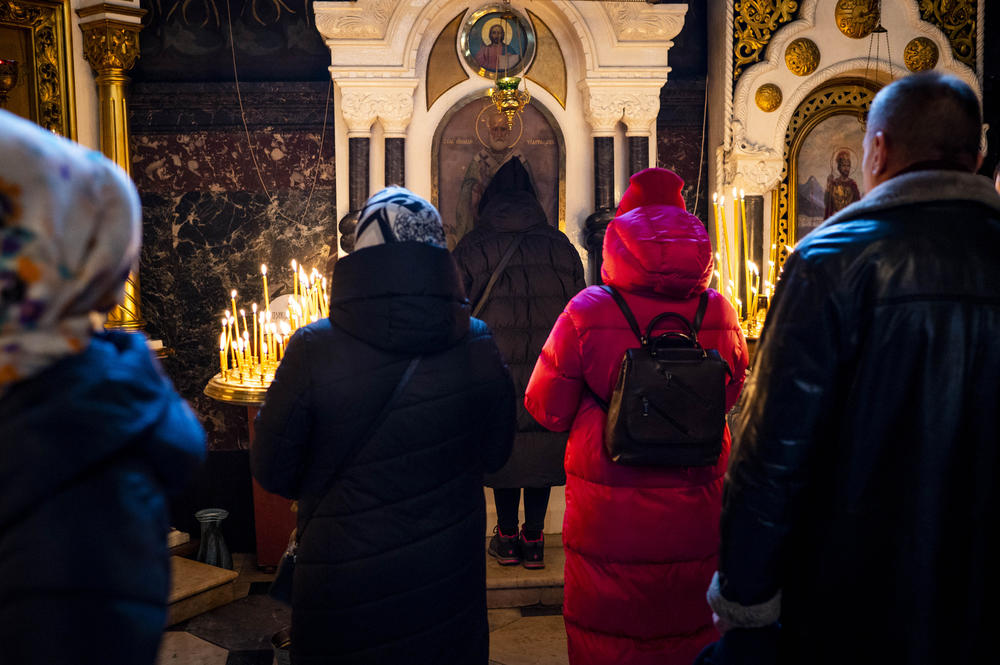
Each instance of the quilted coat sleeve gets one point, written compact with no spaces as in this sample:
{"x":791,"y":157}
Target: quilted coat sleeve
{"x":784,"y":407}
{"x":278,"y":454}
{"x":556,"y":384}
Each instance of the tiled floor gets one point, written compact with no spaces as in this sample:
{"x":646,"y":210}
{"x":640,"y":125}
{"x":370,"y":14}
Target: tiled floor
{"x":240,"y":633}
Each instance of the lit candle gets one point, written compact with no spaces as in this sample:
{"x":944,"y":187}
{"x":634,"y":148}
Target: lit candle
{"x":222,"y":356}
{"x":246,"y":331}
{"x":746,"y":248}
{"x":281,"y":350}
{"x":729,"y":269}
{"x":256,"y":343}
{"x":295,"y":279}
{"x":267,"y":297}
{"x":718,"y":240}
{"x":232,"y":299}
{"x":245,"y":345}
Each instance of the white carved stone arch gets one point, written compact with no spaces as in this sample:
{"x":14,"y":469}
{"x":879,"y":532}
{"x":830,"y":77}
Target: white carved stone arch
{"x":758,"y":136}
{"x":616,"y":57}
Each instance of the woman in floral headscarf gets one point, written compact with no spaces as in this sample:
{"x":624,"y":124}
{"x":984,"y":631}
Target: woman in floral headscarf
{"x":92,"y":433}
{"x":390,"y":565}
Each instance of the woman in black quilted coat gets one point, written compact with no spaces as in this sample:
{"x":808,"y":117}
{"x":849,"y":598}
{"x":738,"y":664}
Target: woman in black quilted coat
{"x":390,"y":566}
{"x":543,"y":272}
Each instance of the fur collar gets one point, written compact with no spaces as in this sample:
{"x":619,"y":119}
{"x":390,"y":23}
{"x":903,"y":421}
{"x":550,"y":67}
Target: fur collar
{"x":922,"y":187}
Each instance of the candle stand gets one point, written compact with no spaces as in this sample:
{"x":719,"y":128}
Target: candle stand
{"x":273,"y":515}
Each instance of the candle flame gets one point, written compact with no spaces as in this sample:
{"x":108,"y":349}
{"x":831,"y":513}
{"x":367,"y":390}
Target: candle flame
{"x":232,"y":294}
{"x":254,"y":308}
{"x":243,"y":312}
{"x":294,"y":265}
{"x":742,"y":195}
{"x":734,"y":193}
{"x":715,"y":197}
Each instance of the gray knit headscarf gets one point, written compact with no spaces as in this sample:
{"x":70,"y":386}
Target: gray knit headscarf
{"x":396,"y":214}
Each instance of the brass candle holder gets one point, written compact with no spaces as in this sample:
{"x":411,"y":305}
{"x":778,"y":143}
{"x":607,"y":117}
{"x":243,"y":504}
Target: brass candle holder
{"x":249,"y":354}
{"x":8,"y":78}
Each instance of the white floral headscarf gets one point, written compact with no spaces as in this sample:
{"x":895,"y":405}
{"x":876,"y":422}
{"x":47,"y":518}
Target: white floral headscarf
{"x":396,"y":214}
{"x":69,"y":233}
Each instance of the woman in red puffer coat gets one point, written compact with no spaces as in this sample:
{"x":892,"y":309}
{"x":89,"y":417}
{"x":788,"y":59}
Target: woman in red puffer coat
{"x":641,"y":542}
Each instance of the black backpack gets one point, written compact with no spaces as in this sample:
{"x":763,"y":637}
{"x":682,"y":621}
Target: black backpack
{"x":668,"y":407}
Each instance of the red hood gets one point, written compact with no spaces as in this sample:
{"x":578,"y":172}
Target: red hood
{"x":659,"y":249}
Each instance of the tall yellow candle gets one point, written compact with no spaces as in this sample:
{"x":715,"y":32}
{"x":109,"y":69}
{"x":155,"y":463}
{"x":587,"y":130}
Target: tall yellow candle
{"x":232,"y":299}
{"x":267,"y":297}
{"x":746,"y":250}
{"x":246,"y":331}
{"x":729,"y":272}
{"x":256,"y":344}
{"x":222,"y":355}
{"x":295,"y":279}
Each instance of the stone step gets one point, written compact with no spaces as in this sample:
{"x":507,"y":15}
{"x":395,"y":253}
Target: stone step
{"x":516,"y":586}
{"x":197,"y":588}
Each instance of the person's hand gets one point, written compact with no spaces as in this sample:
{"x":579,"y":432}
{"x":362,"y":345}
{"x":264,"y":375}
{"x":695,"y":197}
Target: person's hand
{"x":721,"y":624}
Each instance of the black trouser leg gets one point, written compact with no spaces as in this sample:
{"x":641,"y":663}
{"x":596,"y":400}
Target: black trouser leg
{"x":507,"y":500}
{"x":536,"y":502}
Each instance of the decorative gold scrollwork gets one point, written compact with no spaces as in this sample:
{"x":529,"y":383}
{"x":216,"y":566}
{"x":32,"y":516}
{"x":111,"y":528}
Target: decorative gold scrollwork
{"x":957,"y":19}
{"x":754,"y":23}
{"x":920,"y":54}
{"x":856,"y":18}
{"x":46,"y":24}
{"x":109,"y":45}
{"x":768,"y":97}
{"x":802,"y":56}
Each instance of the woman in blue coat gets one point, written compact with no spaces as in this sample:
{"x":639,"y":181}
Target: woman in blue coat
{"x":92,"y":434}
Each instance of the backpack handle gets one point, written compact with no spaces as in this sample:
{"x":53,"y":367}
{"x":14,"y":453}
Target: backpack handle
{"x":693,"y":326}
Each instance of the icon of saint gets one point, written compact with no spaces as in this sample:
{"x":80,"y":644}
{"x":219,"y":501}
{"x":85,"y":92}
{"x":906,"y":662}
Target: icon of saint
{"x":841,"y":188}
{"x":497,"y":55}
{"x":495,"y":151}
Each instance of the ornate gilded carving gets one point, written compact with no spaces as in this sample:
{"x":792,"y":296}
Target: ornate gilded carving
{"x":920,"y":54}
{"x":51,"y":75}
{"x":839,"y":96}
{"x":768,"y":97}
{"x":802,"y":57}
{"x":856,"y":18}
{"x":957,"y":19}
{"x":754,"y":23}
{"x":110,"y":45}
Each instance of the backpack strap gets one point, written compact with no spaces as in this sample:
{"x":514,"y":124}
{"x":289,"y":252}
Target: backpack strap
{"x":700,"y":314}
{"x":496,"y":273}
{"x":623,"y":306}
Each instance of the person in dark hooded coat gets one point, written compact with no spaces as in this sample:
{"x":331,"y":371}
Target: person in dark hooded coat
{"x":92,"y":434}
{"x":390,"y":566}
{"x":543,"y":273}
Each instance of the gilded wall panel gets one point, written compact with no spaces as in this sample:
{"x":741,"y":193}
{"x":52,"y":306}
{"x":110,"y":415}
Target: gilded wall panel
{"x":754,"y":24}
{"x":957,"y":19}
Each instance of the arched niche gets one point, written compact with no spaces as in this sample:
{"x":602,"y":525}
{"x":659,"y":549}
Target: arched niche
{"x":472,"y":141}
{"x":840,"y":99}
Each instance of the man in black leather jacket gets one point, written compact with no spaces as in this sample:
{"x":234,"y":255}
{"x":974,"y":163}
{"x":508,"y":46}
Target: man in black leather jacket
{"x":863,"y":491}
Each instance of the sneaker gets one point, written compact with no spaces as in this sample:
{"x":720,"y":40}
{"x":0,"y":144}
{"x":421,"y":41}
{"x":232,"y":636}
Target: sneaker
{"x":504,"y":548}
{"x":532,"y":551}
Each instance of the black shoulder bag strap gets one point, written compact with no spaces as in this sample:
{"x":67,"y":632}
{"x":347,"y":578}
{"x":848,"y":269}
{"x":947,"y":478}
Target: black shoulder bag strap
{"x":369,"y":434}
{"x":496,"y":273}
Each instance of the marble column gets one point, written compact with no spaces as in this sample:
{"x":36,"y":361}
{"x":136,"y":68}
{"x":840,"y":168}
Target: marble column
{"x":603,"y":112}
{"x":641,"y":106}
{"x":362,"y":102}
{"x":111,"y":46}
{"x":638,"y":154}
{"x":358,"y":150}
{"x":395,"y":161}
